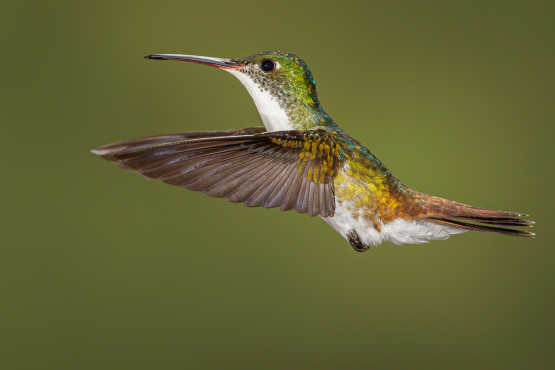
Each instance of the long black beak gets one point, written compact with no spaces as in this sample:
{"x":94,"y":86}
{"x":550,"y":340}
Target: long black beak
{"x":214,"y":62}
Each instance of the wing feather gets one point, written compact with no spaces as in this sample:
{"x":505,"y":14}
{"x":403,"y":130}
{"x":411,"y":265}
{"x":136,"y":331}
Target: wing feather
{"x":286,"y":169}
{"x":290,"y":200}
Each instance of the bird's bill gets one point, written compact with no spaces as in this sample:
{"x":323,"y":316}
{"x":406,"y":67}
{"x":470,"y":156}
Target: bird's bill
{"x":209,"y":61}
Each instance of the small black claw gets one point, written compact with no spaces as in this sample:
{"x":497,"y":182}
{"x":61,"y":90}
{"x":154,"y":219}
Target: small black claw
{"x":355,"y":241}
{"x":364,"y":248}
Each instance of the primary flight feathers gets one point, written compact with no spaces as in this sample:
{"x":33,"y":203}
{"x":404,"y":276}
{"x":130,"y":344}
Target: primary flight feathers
{"x":289,"y":169}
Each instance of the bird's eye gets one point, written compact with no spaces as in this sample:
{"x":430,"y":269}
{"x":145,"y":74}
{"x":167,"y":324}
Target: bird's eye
{"x":267,"y":65}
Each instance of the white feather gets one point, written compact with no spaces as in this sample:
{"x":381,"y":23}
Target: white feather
{"x":273,"y":116}
{"x":397,"y":232}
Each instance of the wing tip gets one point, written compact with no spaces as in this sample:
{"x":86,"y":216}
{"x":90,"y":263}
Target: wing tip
{"x":98,"y":151}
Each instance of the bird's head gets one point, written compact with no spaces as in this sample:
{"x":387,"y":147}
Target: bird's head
{"x":279,"y":82}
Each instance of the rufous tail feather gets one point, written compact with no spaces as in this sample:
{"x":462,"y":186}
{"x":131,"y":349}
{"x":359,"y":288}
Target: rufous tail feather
{"x":465,"y":217}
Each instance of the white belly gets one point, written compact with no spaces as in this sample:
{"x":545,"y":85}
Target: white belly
{"x":397,"y":232}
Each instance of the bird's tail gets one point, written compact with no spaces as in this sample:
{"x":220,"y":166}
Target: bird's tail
{"x":467,"y":218}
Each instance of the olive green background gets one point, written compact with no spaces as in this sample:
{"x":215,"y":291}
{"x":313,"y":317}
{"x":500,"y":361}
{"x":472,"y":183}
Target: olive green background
{"x":102,"y":269}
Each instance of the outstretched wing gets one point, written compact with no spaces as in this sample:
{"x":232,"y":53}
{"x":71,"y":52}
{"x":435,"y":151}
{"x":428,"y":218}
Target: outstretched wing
{"x":289,"y":169}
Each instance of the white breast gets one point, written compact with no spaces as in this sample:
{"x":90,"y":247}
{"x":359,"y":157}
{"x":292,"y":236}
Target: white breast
{"x":273,"y":116}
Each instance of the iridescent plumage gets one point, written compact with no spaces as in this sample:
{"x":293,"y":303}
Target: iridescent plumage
{"x":301,"y":160}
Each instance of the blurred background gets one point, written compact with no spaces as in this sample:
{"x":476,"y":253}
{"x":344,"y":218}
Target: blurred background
{"x":102,"y":269}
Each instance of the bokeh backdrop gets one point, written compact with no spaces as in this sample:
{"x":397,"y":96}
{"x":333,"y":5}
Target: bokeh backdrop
{"x":102,"y":269}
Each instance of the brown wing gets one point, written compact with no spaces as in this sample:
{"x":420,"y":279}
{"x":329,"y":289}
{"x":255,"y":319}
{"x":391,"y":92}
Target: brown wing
{"x":289,"y":169}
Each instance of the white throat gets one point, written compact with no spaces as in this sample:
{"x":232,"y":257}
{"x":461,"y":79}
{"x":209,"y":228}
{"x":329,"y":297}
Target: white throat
{"x":273,"y":116}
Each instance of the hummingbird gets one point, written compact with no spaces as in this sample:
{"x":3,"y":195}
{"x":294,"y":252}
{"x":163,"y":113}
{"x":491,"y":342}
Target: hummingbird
{"x":302,"y":160}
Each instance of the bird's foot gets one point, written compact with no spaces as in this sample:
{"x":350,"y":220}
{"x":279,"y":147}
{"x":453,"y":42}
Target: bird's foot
{"x":355,"y":241}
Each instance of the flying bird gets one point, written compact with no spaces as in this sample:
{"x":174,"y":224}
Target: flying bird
{"x":302,"y":160}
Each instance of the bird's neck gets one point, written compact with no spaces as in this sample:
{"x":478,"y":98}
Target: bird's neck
{"x":284,"y":111}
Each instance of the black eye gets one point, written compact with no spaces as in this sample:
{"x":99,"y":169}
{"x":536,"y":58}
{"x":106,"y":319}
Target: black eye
{"x":267,"y":65}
